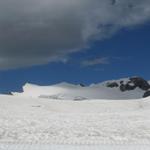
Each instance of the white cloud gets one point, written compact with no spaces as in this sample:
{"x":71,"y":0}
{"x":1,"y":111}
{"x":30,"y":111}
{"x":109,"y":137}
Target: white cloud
{"x":95,"y":61}
{"x":41,"y":31}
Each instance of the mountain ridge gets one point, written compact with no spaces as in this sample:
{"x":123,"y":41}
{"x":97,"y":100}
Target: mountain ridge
{"x":125,"y":88}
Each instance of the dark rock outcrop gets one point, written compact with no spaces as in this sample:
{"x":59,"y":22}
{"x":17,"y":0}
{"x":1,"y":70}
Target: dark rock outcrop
{"x":82,"y":85}
{"x":146,"y":94}
{"x":112,"y":84}
{"x":130,"y":84}
{"x":140,"y":82}
{"x":121,"y":82}
{"x":123,"y":87}
{"x":127,"y":87}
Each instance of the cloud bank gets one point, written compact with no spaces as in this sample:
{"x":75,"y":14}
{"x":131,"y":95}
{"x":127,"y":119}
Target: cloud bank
{"x":40,"y":31}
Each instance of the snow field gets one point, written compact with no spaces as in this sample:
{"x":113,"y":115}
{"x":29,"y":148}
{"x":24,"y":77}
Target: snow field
{"x":95,"y":122}
{"x":9,"y":146}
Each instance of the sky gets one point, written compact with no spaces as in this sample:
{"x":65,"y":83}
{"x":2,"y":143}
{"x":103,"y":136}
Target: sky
{"x":89,"y":41}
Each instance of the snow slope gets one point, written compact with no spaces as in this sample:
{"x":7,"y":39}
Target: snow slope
{"x":66,"y":91}
{"x":97,"y":122}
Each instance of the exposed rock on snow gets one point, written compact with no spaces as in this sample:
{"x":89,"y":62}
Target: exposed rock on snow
{"x":128,"y":88}
{"x":112,"y":84}
{"x":131,"y":84}
{"x":140,"y":82}
{"x":146,"y":94}
{"x":82,"y":85}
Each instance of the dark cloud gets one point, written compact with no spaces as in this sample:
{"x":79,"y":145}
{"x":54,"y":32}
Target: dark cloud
{"x":41,"y":31}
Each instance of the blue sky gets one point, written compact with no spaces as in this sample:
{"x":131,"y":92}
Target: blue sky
{"x":50,"y":41}
{"x":128,"y":54}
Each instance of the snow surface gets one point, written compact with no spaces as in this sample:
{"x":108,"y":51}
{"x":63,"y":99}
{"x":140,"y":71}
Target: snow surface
{"x":95,"y":122}
{"x":71,"y":117}
{"x":66,"y":91}
{"x":71,"y":147}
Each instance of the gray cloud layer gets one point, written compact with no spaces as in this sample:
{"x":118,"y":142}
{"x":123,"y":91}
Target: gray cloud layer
{"x":40,"y":31}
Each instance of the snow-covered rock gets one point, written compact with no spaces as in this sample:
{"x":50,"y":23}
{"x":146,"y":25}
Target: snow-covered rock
{"x":127,"y":88}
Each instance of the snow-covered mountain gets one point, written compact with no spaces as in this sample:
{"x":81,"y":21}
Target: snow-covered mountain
{"x":127,"y":88}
